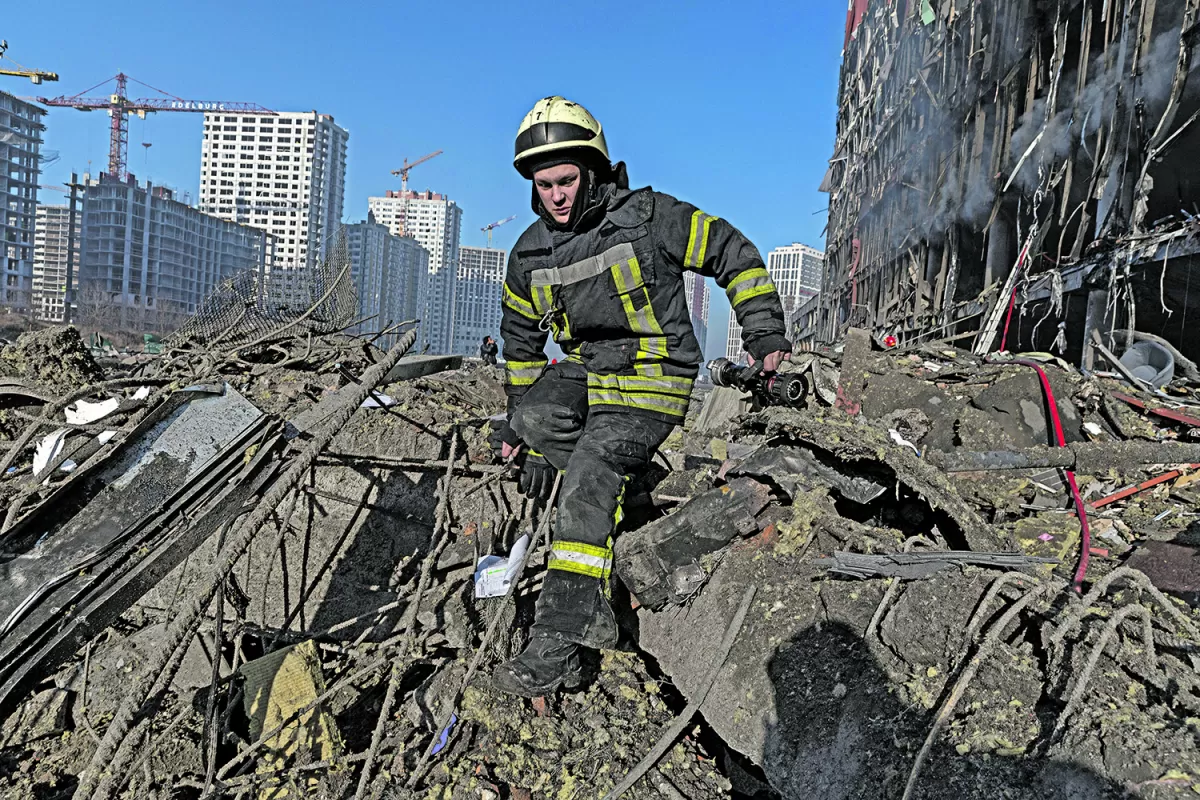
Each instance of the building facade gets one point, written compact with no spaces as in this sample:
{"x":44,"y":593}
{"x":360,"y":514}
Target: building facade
{"x":796,"y":270}
{"x":284,"y":174}
{"x":435,"y":222}
{"x":695,"y":289}
{"x":367,"y":244}
{"x":1001,"y":154}
{"x":51,"y":245}
{"x":20,"y":145}
{"x":477,"y":297}
{"x":386,"y":270}
{"x":147,"y":261}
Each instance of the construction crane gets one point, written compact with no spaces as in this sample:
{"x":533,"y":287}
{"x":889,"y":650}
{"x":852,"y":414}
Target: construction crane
{"x":119,"y":107}
{"x":403,"y":171}
{"x":493,"y":225}
{"x":35,"y":75}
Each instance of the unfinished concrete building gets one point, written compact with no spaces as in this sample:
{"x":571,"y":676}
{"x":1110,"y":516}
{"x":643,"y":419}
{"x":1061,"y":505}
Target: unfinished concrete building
{"x":21,"y":130}
{"x":1014,"y":154}
{"x":148,"y":261}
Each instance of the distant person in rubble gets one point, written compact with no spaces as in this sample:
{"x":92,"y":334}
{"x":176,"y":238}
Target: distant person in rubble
{"x":488,"y":350}
{"x":602,"y":271}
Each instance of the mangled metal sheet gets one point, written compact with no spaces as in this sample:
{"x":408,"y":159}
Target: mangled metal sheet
{"x":186,"y":454}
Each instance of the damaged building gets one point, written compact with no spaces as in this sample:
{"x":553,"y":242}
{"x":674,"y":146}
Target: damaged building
{"x":281,"y":559}
{"x":1028,"y":155}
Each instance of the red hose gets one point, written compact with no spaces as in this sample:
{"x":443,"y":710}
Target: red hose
{"x":1086,"y":536}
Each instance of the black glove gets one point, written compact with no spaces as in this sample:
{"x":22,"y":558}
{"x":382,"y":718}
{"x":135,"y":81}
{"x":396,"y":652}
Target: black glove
{"x":502,"y":434}
{"x":763,"y":346}
{"x":536,"y":480}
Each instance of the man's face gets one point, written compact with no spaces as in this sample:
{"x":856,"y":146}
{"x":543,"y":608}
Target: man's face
{"x":557,"y":186}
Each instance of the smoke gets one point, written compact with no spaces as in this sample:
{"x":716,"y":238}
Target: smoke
{"x":968,"y":201}
{"x":1075,"y":125}
{"x":965,"y":195}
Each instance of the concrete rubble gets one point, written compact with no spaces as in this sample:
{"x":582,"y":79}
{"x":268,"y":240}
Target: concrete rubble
{"x":910,"y":536}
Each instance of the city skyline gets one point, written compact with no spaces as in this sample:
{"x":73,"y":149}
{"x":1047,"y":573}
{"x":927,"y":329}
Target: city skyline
{"x":470,"y":101}
{"x":246,"y":182}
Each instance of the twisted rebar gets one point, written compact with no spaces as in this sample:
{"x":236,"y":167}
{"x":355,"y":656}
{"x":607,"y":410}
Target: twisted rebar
{"x":964,"y":680}
{"x":239,"y":541}
{"x":1109,"y":631}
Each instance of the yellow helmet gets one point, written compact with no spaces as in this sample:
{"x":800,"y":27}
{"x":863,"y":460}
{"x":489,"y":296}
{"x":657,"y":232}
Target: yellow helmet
{"x":556,"y":124}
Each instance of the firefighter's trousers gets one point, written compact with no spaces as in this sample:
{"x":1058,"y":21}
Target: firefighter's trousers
{"x":599,"y":449}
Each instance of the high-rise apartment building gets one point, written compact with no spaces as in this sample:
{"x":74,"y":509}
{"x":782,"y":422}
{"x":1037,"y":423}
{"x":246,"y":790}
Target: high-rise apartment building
{"x":477,"y":307}
{"x":50,"y":248}
{"x":147,"y":261}
{"x":285,"y":174}
{"x":695,"y":289}
{"x":20,"y":142}
{"x":435,"y":222}
{"x":386,"y":270}
{"x":367,"y":245}
{"x":795,"y":270}
{"x":733,"y":341}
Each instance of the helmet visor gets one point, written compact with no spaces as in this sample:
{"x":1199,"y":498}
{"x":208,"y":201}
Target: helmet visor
{"x":543,"y":133}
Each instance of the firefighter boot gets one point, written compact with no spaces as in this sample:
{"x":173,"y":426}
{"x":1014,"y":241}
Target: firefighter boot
{"x":546,"y":664}
{"x":573,"y":619}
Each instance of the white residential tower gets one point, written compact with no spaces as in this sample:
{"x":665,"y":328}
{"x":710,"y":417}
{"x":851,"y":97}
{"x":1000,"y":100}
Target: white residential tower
{"x":796,"y":271}
{"x":282,"y":173}
{"x":477,"y":307}
{"x":435,"y":221}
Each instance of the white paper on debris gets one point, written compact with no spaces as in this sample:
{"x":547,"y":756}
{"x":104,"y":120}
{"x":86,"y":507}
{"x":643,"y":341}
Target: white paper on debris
{"x":383,"y":402}
{"x":895,"y":436}
{"x":142,"y":393}
{"x":82,"y":412}
{"x":494,"y":574}
{"x":48,"y":449}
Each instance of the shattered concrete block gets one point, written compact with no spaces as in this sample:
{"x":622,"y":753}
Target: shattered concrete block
{"x":854,"y":363}
{"x":1015,"y":405}
{"x":660,"y":563}
{"x":45,"y":714}
{"x":720,"y":407}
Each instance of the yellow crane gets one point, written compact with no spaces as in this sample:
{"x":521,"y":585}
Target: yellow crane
{"x":35,"y":75}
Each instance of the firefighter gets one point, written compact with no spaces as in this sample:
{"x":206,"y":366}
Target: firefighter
{"x":601,"y":271}
{"x":488,"y":350}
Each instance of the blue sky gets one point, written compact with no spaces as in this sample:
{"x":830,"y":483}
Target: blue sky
{"x":730,"y":110}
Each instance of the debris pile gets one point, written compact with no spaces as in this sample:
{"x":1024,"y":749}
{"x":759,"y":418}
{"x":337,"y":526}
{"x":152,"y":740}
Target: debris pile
{"x":264,"y":581}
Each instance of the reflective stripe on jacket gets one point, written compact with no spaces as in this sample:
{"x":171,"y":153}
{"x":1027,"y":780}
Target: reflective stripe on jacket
{"x":613,"y":298}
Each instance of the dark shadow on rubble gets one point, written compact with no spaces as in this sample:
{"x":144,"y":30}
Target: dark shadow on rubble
{"x":395,"y":520}
{"x":840,"y":734}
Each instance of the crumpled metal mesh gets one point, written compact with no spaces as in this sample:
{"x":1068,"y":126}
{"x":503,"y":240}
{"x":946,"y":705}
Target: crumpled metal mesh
{"x":250,"y":306}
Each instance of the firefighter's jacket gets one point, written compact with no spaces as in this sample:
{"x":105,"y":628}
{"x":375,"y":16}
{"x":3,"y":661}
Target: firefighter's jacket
{"x":612,"y":295}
